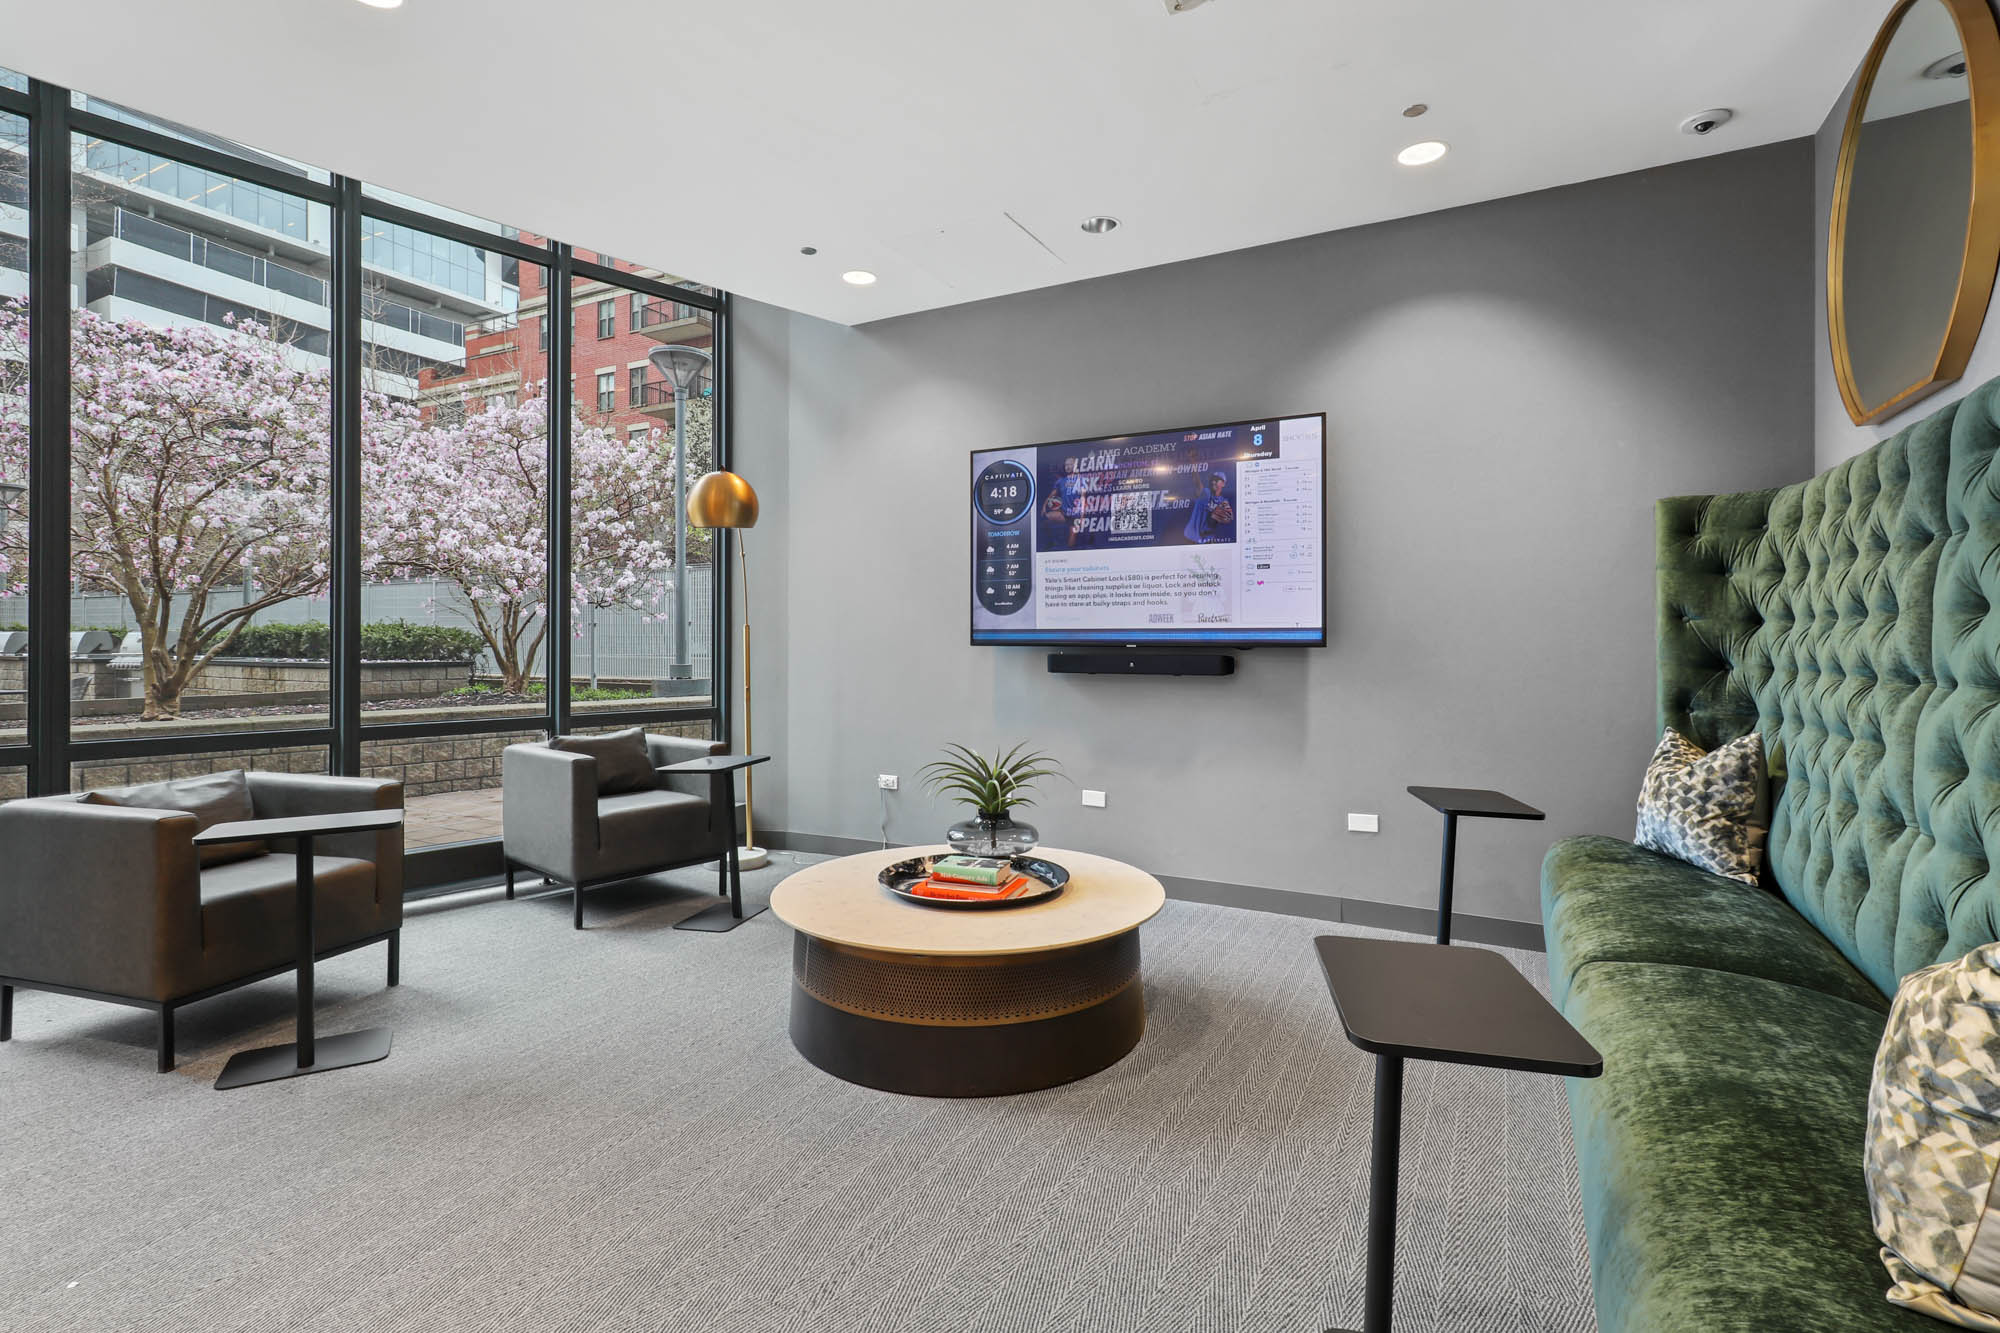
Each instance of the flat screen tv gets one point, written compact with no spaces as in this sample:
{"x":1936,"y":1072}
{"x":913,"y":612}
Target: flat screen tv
{"x":1203,"y":536}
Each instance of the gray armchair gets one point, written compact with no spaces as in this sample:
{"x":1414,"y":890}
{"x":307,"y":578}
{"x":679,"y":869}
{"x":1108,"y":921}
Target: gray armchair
{"x":556,"y":820}
{"x":112,"y":902}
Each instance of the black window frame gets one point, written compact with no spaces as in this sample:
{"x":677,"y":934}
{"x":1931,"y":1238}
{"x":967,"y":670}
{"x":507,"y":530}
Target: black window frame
{"x":51,"y":749}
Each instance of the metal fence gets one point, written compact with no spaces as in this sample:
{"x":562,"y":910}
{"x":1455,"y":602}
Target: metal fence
{"x":629,"y":644}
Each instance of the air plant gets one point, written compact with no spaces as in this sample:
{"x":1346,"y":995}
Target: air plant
{"x":992,"y":787}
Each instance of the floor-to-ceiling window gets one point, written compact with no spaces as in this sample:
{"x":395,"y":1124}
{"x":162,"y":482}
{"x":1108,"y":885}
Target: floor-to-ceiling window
{"x":454,"y":510}
{"x":14,"y":451}
{"x":338,"y":499}
{"x":642,"y":586}
{"x":201,"y":467}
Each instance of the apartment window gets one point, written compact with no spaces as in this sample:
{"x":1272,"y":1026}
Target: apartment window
{"x":638,"y":312}
{"x":541,"y":332}
{"x":607,"y":318}
{"x":635,"y":392}
{"x":607,"y":390}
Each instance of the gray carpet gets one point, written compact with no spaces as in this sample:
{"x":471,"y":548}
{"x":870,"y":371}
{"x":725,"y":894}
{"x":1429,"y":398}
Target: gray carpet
{"x":610,"y":1130}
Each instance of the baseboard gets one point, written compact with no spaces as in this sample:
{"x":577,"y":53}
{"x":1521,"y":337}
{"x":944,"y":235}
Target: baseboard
{"x":1285,"y":902}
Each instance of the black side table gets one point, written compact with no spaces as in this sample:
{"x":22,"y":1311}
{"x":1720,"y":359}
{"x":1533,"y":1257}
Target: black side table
{"x":1451,"y":802}
{"x":310,"y":1054}
{"x":1400,"y":999}
{"x":721,"y":770}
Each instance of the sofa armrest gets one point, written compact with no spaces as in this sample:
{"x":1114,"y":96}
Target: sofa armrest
{"x":548,"y":808}
{"x":286,"y":795}
{"x":99,"y":897}
{"x":678,"y":749}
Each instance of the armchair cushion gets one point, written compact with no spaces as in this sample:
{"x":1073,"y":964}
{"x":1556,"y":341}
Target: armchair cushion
{"x":249,"y":909}
{"x":623,"y":762}
{"x":214,"y":798}
{"x":641,"y":829}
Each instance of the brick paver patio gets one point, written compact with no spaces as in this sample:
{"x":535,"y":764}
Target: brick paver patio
{"x":456,"y":816}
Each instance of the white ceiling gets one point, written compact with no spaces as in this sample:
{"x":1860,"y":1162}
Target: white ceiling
{"x":950,"y":146}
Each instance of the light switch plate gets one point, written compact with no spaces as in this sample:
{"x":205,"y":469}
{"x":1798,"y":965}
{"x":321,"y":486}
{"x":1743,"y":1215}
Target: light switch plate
{"x":1093,"y":798}
{"x":1364,"y":823}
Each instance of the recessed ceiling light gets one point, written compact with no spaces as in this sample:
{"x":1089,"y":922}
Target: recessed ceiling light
{"x":1415,"y":109}
{"x":1097,"y":226}
{"x":860,"y":277}
{"x":383,"y":4}
{"x":1422,"y":154}
{"x":809,"y":249}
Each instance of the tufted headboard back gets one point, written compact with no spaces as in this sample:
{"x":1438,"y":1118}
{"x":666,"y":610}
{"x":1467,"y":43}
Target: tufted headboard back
{"x":1846,"y":618}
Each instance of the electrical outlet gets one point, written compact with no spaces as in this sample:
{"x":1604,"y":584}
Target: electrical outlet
{"x":886,"y":781}
{"x":1094,"y":799}
{"x":1364,"y":823}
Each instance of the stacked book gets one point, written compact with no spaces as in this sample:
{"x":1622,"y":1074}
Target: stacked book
{"x":972,"y":879}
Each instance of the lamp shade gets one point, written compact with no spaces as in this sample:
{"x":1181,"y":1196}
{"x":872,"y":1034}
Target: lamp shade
{"x":722,"y":500}
{"x":683,"y":366}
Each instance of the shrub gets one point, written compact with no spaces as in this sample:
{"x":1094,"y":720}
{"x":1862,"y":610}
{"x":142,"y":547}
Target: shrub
{"x":381,"y":641}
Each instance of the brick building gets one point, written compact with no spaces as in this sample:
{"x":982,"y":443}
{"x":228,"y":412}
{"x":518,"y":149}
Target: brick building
{"x":612,"y":383}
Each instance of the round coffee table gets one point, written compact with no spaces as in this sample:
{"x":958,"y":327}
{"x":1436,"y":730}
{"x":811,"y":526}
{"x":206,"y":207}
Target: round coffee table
{"x":955,"y":1003}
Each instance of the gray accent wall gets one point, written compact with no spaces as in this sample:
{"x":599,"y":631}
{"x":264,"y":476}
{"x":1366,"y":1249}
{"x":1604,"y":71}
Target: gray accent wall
{"x":1509,"y":386}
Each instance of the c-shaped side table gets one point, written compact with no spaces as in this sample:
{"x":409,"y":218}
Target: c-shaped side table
{"x":310,"y":1054}
{"x":1403,"y":999}
{"x":1451,"y":802}
{"x":721,"y":770}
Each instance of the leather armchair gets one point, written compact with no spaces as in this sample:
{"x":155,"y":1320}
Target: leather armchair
{"x":554,"y":821}
{"x":111,"y":902}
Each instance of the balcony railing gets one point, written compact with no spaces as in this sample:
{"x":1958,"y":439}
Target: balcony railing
{"x":668,"y":321}
{"x":656,"y":399}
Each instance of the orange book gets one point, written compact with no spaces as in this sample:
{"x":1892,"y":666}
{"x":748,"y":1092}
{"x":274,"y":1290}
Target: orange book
{"x":936,"y":888}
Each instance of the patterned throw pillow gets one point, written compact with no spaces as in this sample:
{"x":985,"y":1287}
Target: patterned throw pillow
{"x":1934,"y":1141}
{"x":1706,"y":808}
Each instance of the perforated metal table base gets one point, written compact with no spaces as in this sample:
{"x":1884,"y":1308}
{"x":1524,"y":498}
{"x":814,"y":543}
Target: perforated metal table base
{"x":958,"y":1025}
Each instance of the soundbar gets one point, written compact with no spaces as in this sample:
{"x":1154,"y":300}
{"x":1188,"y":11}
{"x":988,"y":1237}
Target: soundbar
{"x":1132,"y":663}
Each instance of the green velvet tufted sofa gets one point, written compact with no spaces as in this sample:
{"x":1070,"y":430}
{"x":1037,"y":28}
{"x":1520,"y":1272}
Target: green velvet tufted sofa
{"x":1849,"y":619}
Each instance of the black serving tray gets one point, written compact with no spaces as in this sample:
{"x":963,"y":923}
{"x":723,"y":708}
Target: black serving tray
{"x":1049,"y":879}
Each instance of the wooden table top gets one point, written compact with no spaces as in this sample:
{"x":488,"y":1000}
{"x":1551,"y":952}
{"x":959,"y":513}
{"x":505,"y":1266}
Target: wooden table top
{"x":843,"y":902}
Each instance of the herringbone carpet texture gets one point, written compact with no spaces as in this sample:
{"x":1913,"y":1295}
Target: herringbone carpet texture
{"x":610,"y":1130}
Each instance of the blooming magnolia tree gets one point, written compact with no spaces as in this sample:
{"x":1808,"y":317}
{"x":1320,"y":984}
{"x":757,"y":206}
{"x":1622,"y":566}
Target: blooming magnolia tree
{"x":468,"y":503}
{"x":199,"y":458}
{"x":199,"y":493}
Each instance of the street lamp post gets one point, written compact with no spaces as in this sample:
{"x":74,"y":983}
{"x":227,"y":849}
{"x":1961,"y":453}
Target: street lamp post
{"x":10,"y":491}
{"x":683,"y":367}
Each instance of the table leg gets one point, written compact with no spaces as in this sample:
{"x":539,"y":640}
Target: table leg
{"x":308,"y":1055}
{"x":735,"y":870}
{"x":1448,"y":864}
{"x":728,"y":870}
{"x":305,"y":950}
{"x":1382,"y":1166}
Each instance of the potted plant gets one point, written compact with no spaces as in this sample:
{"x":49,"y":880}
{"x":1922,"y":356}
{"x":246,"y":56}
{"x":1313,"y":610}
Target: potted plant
{"x":994,"y":788}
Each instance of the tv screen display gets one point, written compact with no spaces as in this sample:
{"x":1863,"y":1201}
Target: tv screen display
{"x":1208,"y":535}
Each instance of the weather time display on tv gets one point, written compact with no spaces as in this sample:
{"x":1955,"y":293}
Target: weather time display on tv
{"x":1208,"y":535}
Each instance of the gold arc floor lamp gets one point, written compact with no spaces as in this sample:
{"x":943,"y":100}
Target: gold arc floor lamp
{"x":725,"y":500}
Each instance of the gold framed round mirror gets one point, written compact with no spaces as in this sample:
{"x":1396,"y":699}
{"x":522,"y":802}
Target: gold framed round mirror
{"x":1914,"y":234}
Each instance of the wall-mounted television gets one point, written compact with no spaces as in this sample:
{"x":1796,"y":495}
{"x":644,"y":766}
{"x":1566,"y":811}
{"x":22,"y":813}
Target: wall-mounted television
{"x":1205,"y":535}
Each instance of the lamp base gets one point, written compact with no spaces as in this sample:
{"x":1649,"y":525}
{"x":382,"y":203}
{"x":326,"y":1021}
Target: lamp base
{"x":751,"y":858}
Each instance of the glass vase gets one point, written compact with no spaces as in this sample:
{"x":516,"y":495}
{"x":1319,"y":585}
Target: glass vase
{"x":990,"y":835}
